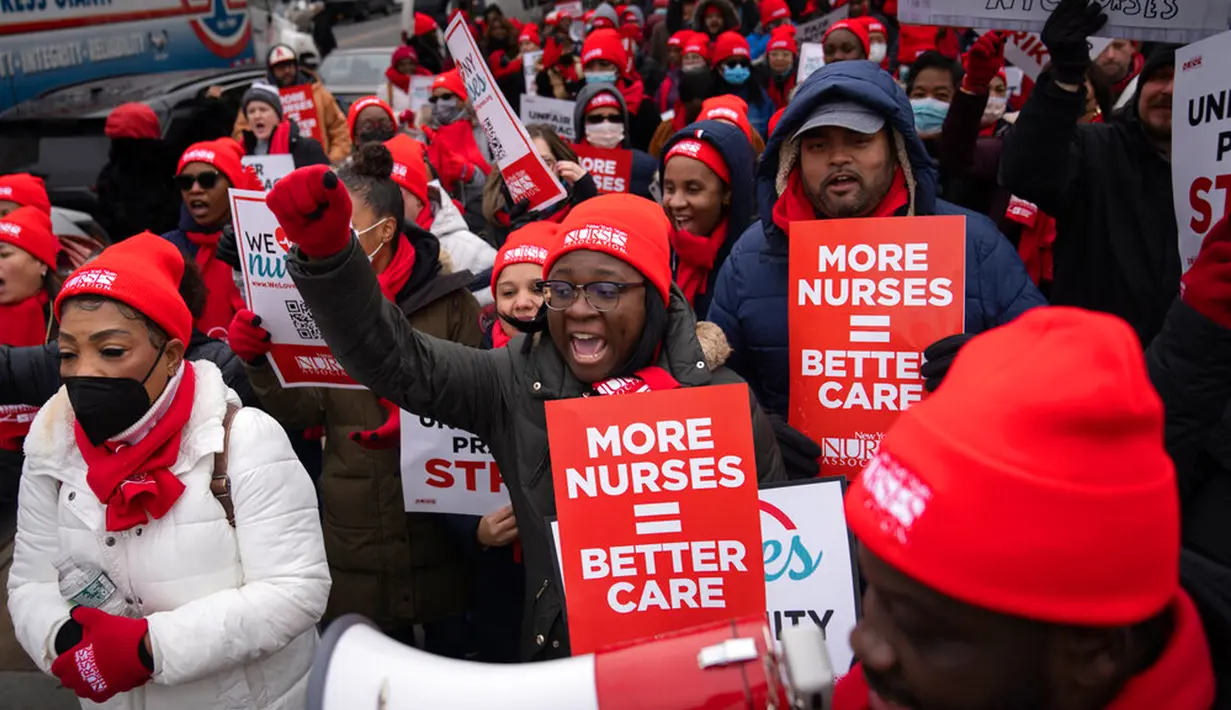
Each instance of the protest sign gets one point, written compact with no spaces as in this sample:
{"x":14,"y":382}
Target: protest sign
{"x":810,"y":570}
{"x":868,"y":295}
{"x":420,"y":91}
{"x":447,"y":470}
{"x":299,"y":105}
{"x":298,"y":354}
{"x":611,"y":169}
{"x":1153,"y":20}
{"x":1013,"y":80}
{"x":530,"y":69}
{"x":556,"y":113}
{"x":524,"y":172}
{"x":1201,"y":141}
{"x":811,"y":58}
{"x":270,"y":168}
{"x":814,"y":30}
{"x":572,"y":7}
{"x":1026,"y":51}
{"x":656,"y":498}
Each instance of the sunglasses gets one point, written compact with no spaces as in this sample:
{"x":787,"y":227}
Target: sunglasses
{"x":445,"y":97}
{"x":741,"y":63}
{"x":207,"y":179}
{"x":596,"y":119}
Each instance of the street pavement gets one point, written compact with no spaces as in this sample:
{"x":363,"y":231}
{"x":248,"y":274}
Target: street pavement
{"x":376,"y":32}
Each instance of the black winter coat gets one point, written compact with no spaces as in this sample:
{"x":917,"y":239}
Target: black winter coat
{"x":1109,"y":190}
{"x":498,"y":395}
{"x":135,"y":190}
{"x":304,"y":151}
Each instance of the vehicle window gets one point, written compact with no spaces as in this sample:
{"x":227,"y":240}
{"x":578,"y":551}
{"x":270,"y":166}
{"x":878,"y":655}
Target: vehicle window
{"x":343,"y":69}
{"x":62,"y":160}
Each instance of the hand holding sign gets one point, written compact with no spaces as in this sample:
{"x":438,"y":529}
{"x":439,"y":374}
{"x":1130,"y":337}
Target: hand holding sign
{"x":1065,"y":34}
{"x":246,"y":338}
{"x":497,"y":529}
{"x":1207,"y":285}
{"x":314,"y":213}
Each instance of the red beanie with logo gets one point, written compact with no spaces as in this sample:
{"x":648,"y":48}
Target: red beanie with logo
{"x":678,"y":39}
{"x":854,"y":26}
{"x":729,"y":108}
{"x":702,"y":151}
{"x":774,"y":10}
{"x":530,"y":33}
{"x":528,"y":245}
{"x":450,"y":81}
{"x":730,"y":44}
{"x":227,"y":157}
{"x":1034,"y":481}
{"x":133,"y":120}
{"x":697,"y":43}
{"x":630,"y":228}
{"x":604,"y":99}
{"x":29,"y":228}
{"x":606,"y":45}
{"x":409,"y":168}
{"x":26,"y":190}
{"x":783,"y":38}
{"x":352,"y":114}
{"x":144,"y":272}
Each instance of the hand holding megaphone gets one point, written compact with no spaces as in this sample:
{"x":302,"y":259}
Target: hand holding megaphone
{"x":312,"y":210}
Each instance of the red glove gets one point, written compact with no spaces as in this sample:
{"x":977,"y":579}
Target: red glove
{"x":247,"y":338}
{"x":1207,"y":285}
{"x":985,"y":60}
{"x":312,"y":210}
{"x":407,"y":118}
{"x":107,"y":661}
{"x":387,"y":435}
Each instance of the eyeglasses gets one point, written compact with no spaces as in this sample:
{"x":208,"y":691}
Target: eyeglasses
{"x":595,"y":119}
{"x":443,"y":97}
{"x":207,"y":179}
{"x":601,"y":295}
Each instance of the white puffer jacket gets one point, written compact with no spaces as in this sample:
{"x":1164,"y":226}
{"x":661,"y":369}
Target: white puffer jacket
{"x":232,"y":611}
{"x":467,"y":250}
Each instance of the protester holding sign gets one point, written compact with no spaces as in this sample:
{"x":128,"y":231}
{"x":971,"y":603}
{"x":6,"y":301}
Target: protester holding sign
{"x":1107,"y":184}
{"x":614,"y":322}
{"x":696,"y":87}
{"x":397,"y":569}
{"x":605,"y":61}
{"x":703,"y":167}
{"x":456,"y":145}
{"x":943,"y":606}
{"x":272,"y":133}
{"x":852,"y":151}
{"x":396,"y":89}
{"x":601,"y":119}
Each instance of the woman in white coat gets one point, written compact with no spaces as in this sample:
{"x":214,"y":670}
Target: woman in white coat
{"x":208,"y":596}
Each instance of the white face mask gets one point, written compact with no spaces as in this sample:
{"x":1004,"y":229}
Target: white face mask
{"x":605,"y":135}
{"x":359,"y":233}
{"x":878,"y":52}
{"x":995,"y":108}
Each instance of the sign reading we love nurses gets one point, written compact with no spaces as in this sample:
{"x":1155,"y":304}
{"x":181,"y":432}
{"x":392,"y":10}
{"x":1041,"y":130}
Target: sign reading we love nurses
{"x":867,"y":297}
{"x":298,"y":354}
{"x":524,"y":172}
{"x":656,"y":496}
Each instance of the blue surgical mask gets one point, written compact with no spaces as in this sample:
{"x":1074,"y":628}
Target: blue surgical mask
{"x":736,"y":75}
{"x":601,"y":77}
{"x":929,"y":115}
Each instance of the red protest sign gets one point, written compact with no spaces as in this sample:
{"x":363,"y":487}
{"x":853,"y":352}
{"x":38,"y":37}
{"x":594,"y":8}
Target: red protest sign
{"x":299,"y":105}
{"x":611,"y":168}
{"x":658,"y":513}
{"x":868,"y":296}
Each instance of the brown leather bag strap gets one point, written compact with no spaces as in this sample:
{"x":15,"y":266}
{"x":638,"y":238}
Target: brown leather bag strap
{"x":219,"y":481}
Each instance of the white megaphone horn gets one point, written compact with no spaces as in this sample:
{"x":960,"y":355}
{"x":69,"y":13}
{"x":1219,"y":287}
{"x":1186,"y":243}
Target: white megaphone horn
{"x":730,"y":664}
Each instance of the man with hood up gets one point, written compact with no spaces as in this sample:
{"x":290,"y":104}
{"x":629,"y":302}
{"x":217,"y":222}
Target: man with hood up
{"x":597,"y":115}
{"x":1108,"y":185}
{"x":845,"y":147}
{"x":284,"y":72}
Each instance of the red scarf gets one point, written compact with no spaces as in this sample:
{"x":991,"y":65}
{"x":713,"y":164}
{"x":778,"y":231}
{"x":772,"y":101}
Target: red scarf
{"x":1038,"y":238}
{"x":398,"y":79}
{"x":781,"y":96}
{"x":452,"y":148}
{"x":1134,"y":69}
{"x":397,"y":273}
{"x":21,"y":324}
{"x":500,"y":339}
{"x":426,"y":218}
{"x":633,"y":93}
{"x":135,"y":482}
{"x":793,"y":205}
{"x":680,"y":118}
{"x":696,"y":259}
{"x":648,"y":379}
{"x":280,"y":141}
{"x":223,"y":299}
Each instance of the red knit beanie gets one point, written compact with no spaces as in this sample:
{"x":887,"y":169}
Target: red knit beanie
{"x":1034,"y":481}
{"x":29,"y":228}
{"x":730,"y":44}
{"x":226,"y":156}
{"x":729,"y":108}
{"x":873,"y":25}
{"x":604,"y":44}
{"x":783,"y":38}
{"x":697,"y":43}
{"x":409,"y":170}
{"x":630,"y":228}
{"x":424,"y":24}
{"x":352,"y":115}
{"x":773,"y":10}
{"x":702,"y":151}
{"x":527,"y":245}
{"x":679,"y":38}
{"x":603,"y":99}
{"x":404,"y":52}
{"x":133,"y":120}
{"x":143,"y":272}
{"x":452,"y":82}
{"x":26,"y":190}
{"x":859,"y":29}
{"x":530,"y":33}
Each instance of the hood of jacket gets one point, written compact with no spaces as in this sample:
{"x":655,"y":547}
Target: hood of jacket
{"x":429,"y":278}
{"x":304,"y":77}
{"x":731,"y":142}
{"x":588,"y":92}
{"x":730,"y":17}
{"x":863,"y":82}
{"x":446,"y":218}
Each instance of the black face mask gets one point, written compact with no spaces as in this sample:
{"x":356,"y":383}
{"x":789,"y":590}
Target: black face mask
{"x":106,"y":406}
{"x":376,"y":135}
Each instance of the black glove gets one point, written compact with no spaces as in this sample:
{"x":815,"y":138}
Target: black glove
{"x":800,"y":454}
{"x":1065,"y":34}
{"x":938,"y":358}
{"x":227,"y":250}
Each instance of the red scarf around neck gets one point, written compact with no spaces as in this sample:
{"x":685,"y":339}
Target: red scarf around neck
{"x":223,"y":299}
{"x":696,"y":259}
{"x":397,"y":273}
{"x":24,"y":323}
{"x":633,"y":93}
{"x":500,"y":339}
{"x":780,"y":96}
{"x":398,"y":79}
{"x":647,"y":379}
{"x":135,"y":482}
{"x":794,"y":206}
{"x":280,"y":141}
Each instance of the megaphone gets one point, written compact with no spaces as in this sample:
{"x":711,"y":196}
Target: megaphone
{"x":730,"y":664}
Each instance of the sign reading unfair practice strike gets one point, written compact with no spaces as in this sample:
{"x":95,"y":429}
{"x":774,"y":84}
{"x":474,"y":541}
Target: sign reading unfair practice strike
{"x":656,"y":496}
{"x":867,"y":297}
{"x":447,"y":470}
{"x":298,"y":354}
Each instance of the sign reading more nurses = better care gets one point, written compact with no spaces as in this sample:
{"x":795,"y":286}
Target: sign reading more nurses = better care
{"x":298,"y":354}
{"x":299,"y":105}
{"x":869,"y":295}
{"x":659,"y":527}
{"x":611,"y":168}
{"x":1201,"y":141}
{"x":447,"y":470}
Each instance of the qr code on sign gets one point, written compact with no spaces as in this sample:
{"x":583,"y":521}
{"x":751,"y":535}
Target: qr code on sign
{"x":301,"y":318}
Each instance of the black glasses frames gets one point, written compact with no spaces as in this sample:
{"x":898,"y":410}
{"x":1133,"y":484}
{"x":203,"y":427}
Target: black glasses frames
{"x":601,"y":295}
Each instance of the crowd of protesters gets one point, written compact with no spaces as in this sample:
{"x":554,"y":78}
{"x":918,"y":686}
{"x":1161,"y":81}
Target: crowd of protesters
{"x":1068,"y":545}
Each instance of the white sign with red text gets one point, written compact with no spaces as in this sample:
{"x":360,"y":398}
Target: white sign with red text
{"x":1154,"y":20}
{"x":270,"y":168}
{"x":447,"y":470}
{"x":1200,"y":141}
{"x":1026,"y":51}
